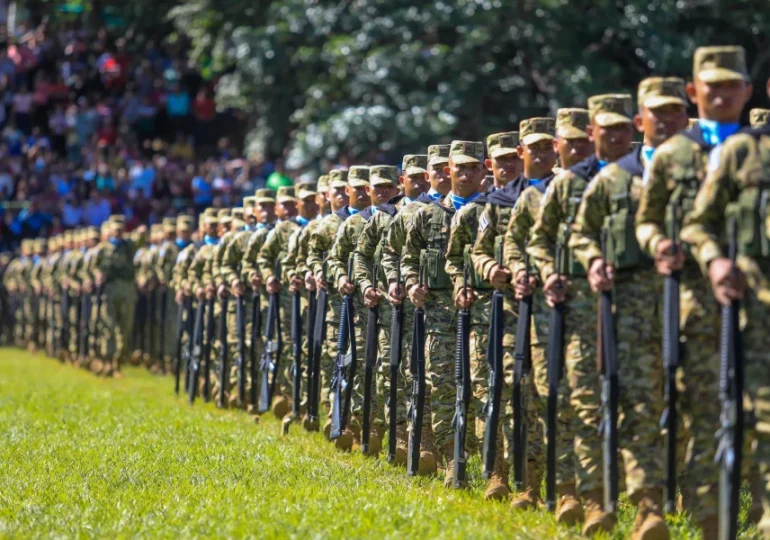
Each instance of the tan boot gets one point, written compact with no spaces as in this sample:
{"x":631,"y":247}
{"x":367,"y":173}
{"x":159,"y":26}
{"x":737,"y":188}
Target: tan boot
{"x":281,"y":406}
{"x":755,"y":510}
{"x":375,"y":445}
{"x":402,"y":444}
{"x":526,"y":500}
{"x":569,"y":510}
{"x":649,"y":523}
{"x":308,"y":424}
{"x":426,"y":464}
{"x":497,"y":487}
{"x":709,"y":528}
{"x":344,"y":443}
{"x":596,"y":519}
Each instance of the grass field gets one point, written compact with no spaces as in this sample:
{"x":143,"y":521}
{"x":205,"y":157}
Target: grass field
{"x":88,"y":457}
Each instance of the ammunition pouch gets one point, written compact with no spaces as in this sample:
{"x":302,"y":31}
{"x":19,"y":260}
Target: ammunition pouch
{"x":570,"y":265}
{"x":475,"y":281}
{"x":434,"y":263}
{"x":753,"y":221}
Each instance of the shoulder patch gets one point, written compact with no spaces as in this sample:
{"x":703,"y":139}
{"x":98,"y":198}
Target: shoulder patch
{"x":181,"y":257}
{"x":483,"y":223}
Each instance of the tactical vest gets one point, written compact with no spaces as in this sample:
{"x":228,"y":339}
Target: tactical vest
{"x":570,"y":265}
{"x":686,"y":176}
{"x":623,"y":250}
{"x":433,"y":257}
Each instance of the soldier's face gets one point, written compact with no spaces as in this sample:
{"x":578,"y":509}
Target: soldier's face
{"x":184,"y":235}
{"x":414,"y":184}
{"x":337,"y":198}
{"x":660,"y":123}
{"x":285,"y":210}
{"x":211,"y":230}
{"x":506,"y":168}
{"x":358,"y":197}
{"x":320,"y":200}
{"x":611,"y":142}
{"x":466,"y":177}
{"x":719,"y":101}
{"x":250,"y":216}
{"x":539,"y":158}
{"x":265,"y":212}
{"x":307,"y":207}
{"x":439,"y":178}
{"x":382,"y":194}
{"x":572,"y":151}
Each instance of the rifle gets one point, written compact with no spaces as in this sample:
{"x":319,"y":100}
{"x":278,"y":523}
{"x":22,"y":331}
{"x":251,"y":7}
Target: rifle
{"x":417,"y":404}
{"x":522,"y":366}
{"x":319,"y":334}
{"x":463,"y":383}
{"x":555,"y":359}
{"x":240,"y":361}
{"x":85,"y":314}
{"x":46,"y":322}
{"x":495,"y":360}
{"x":196,"y":345}
{"x":671,"y":357}
{"x":140,"y":322}
{"x":256,"y":332}
{"x":151,"y":316}
{"x":186,"y":307}
{"x":64,"y":335}
{"x":96,"y":333}
{"x":608,"y":428}
{"x":731,"y":432}
{"x":342,"y":386}
{"x":207,"y":349}
{"x":270,"y":349}
{"x":373,"y":317}
{"x":310,"y":325}
{"x":224,"y":378}
{"x":163,"y":313}
{"x":188,"y":350}
{"x":396,"y":338}
{"x":296,"y":348}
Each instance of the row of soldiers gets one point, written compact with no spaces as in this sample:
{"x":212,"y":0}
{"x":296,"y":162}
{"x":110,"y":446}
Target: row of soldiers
{"x":437,"y":253}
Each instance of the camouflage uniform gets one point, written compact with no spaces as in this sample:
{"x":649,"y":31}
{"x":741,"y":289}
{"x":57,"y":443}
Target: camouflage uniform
{"x":167,"y":308}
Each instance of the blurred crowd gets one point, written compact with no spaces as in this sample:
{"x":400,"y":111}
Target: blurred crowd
{"x":93,"y":124}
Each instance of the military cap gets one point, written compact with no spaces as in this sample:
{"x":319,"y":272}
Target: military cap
{"x":358,"y":176}
{"x":53,"y":243}
{"x":26,"y":245}
{"x":501,"y":144}
{"x":659,"y":91}
{"x":211,"y":211}
{"x":265,"y":196}
{"x":718,"y":64}
{"x":383,"y":175}
{"x":91,"y":234}
{"x":466,"y":152}
{"x":156,"y":229}
{"x":118,"y":218}
{"x":323,"y":183}
{"x":224,"y":212}
{"x":534,"y":130}
{"x":237,"y":213}
{"x":338,"y":178}
{"x":438,"y":154}
{"x":286,"y":194}
{"x":249,"y":202}
{"x":759,"y":117}
{"x":5,"y":259}
{"x":105,"y":227}
{"x":40,"y":244}
{"x":414,"y":164}
{"x":307,"y":190}
{"x":169,"y":224}
{"x":116,"y":224}
{"x":184,"y":223}
{"x":210,"y":220}
{"x":610,"y":109}
{"x":572,"y":123}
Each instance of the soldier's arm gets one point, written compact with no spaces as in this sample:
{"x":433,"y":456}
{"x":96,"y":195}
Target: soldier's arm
{"x":651,"y":215}
{"x":268,"y":255}
{"x":195,"y":272}
{"x":586,"y":232}
{"x":483,"y":253}
{"x":542,"y":240}
{"x":340,"y":251}
{"x":231,"y":260}
{"x":460,"y":235}
{"x":364,"y":254}
{"x":414,"y":243}
{"x":318,"y":244}
{"x":249,"y":266}
{"x":289,"y":261}
{"x":393,"y":247}
{"x":301,"y":263}
{"x":517,"y":233}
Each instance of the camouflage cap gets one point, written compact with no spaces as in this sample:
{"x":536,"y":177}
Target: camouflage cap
{"x":656,"y":92}
{"x":358,"y":176}
{"x":265,"y":196}
{"x":40,"y":245}
{"x":91,"y":233}
{"x":461,"y":152}
{"x":249,"y":202}
{"x":210,"y":220}
{"x":383,"y":175}
{"x":323,"y":183}
{"x":414,"y":164}
{"x":118,"y":218}
{"x":53,"y":243}
{"x":184,"y":223}
{"x":721,"y":63}
{"x":238,"y":213}
{"x":438,"y":154}
{"x":759,"y":117}
{"x":338,"y":178}
{"x":286,"y":194}
{"x":501,"y":144}
{"x":211,"y":211}
{"x":534,"y":130}
{"x":26,"y":246}
{"x":572,"y":123}
{"x":156,"y":229}
{"x":307,"y":190}
{"x":224,"y":212}
{"x":610,"y":109}
{"x":169,"y":224}
{"x":68,"y":237}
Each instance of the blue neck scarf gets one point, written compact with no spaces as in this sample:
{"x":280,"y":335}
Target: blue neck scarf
{"x":374,"y":210}
{"x":433,"y":194}
{"x":181,"y":244}
{"x":647,"y":152}
{"x":36,"y":259}
{"x":408,"y":200}
{"x":353,"y":211}
{"x":116,"y":241}
{"x":260,"y":226}
{"x":302,"y":221}
{"x":210,"y":241}
{"x":602,"y":164}
{"x":534,"y":181}
{"x":715,"y":133}
{"x":458,"y":202}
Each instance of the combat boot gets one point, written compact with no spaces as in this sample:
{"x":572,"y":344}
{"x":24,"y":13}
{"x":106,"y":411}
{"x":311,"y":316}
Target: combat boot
{"x":402,"y":444}
{"x":596,"y":519}
{"x":449,"y":476}
{"x":426,"y":465}
{"x":429,"y":455}
{"x":528,"y":499}
{"x":344,"y":443}
{"x":497,"y":487}
{"x":649,"y":523}
{"x":569,"y":509}
{"x":755,"y":510}
{"x":308,"y":424}
{"x":375,"y":445}
{"x":281,"y":406}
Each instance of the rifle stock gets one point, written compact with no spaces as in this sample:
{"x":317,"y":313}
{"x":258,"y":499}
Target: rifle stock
{"x":256,"y":333}
{"x":462,"y":382}
{"x":373,"y":317}
{"x":555,"y":361}
{"x":196,"y":345}
{"x":396,"y":344}
{"x":492,"y":408}
{"x":268,"y":363}
{"x":417,"y":404}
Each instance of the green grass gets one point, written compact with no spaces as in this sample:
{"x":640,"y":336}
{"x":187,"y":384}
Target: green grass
{"x":88,"y":457}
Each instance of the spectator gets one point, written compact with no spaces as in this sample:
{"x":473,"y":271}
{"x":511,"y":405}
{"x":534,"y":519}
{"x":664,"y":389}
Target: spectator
{"x":32,"y":220}
{"x":72,"y":212}
{"x":23,"y":103}
{"x":203,"y":192}
{"x":97,"y":209}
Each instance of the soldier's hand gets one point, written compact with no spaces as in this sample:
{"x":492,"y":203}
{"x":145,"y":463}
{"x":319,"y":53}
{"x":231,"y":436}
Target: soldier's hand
{"x":319,"y":281}
{"x":256,"y":282}
{"x":222,"y":292}
{"x":141,"y":229}
{"x":372,"y":297}
{"x":418,"y":294}
{"x":601,"y":276}
{"x":728,"y":282}
{"x":238,"y":287}
{"x":465,"y":298}
{"x":524,"y":285}
{"x":187,"y":290}
{"x":38,"y":290}
{"x":669,"y":257}
{"x":344,"y":286}
{"x":273,"y":285}
{"x":396,"y":293}
{"x":296,"y":283}
{"x":210,"y":290}
{"x":555,"y":289}
{"x":179,"y":297}
{"x":499,"y":277}
{"x":200,"y":294}
{"x":309,"y":281}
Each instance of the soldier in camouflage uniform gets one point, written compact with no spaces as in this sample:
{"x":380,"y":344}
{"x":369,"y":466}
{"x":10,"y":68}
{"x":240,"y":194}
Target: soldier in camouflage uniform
{"x":425,"y":248}
{"x":678,"y":168}
{"x":36,"y":325}
{"x":505,"y":166}
{"x":735,"y":185}
{"x":52,"y":293}
{"x":17,"y":282}
{"x":147,"y":284}
{"x":611,"y":134}
{"x":392,"y":251}
{"x":166,"y":308}
{"x":177,"y":281}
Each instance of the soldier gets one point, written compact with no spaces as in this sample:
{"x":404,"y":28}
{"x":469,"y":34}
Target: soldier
{"x":36,"y":325}
{"x":504,"y":162}
{"x":52,"y":293}
{"x":571,"y":142}
{"x":368,"y":259}
{"x":168,"y":251}
{"x":426,"y":245}
{"x":679,"y":165}
{"x":732,"y":191}
{"x":147,"y":284}
{"x":611,"y":134}
{"x":176,"y":276}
